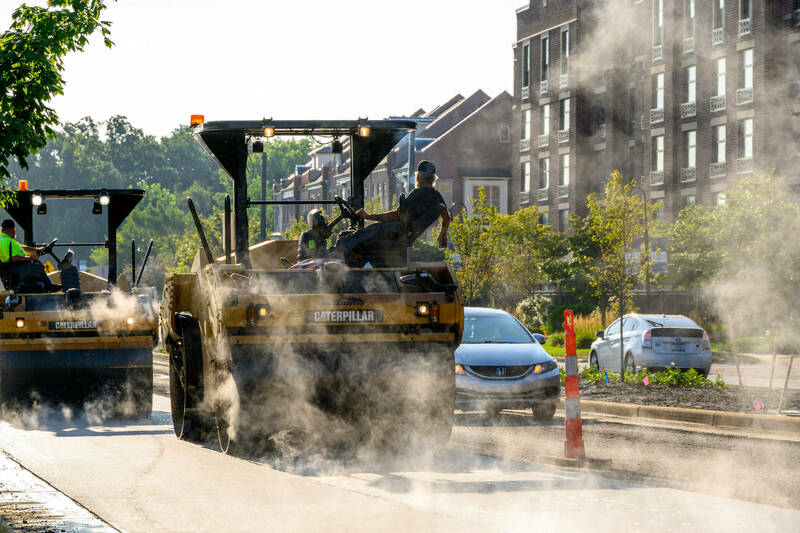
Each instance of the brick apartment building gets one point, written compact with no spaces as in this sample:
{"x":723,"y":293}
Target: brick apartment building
{"x":685,"y":95}
{"x":469,"y":140}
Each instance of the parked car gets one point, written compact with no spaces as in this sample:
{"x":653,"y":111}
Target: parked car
{"x":653,"y":342}
{"x":501,"y":365}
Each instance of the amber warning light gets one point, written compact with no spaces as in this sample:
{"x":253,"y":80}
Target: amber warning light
{"x":197,"y":120}
{"x":22,"y":185}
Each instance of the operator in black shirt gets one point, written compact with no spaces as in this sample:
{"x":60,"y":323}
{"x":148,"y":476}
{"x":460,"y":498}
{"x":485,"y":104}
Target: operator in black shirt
{"x":422,"y":207}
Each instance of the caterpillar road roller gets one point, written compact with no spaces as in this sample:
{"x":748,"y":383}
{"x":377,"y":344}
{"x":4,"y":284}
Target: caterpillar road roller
{"x":350,"y":351}
{"x":75,"y":338}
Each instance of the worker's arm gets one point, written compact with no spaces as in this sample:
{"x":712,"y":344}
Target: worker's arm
{"x":442,"y":239}
{"x":380,"y":217}
{"x":30,"y":249}
{"x":25,"y":259}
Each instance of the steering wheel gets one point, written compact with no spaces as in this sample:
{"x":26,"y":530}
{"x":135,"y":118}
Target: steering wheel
{"x":48,"y":248}
{"x":346,"y":209}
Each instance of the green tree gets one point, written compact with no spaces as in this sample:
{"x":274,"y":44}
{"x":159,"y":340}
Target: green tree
{"x":694,"y":257}
{"x":615,"y":220}
{"x":529,"y":255}
{"x":474,"y":243}
{"x":31,"y":64}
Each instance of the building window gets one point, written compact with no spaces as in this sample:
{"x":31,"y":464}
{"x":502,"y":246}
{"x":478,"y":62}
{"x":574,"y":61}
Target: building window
{"x":657,"y":162}
{"x":526,"y":124}
{"x":719,"y":14}
{"x":688,"y":18}
{"x":525,"y":182}
{"x":563,"y":177}
{"x":545,"y":119}
{"x":565,"y":51}
{"x":659,"y":209}
{"x":689,"y":148}
{"x":631,"y":109}
{"x":492,"y":193}
{"x":744,"y":9}
{"x":721,"y":76}
{"x":563,"y":114}
{"x":719,"y":144}
{"x":599,"y":113}
{"x":689,"y":200}
{"x":746,"y":138}
{"x":746,"y":69}
{"x":563,"y":220}
{"x":544,"y":173}
{"x":544,"y":219}
{"x":545,"y":57}
{"x":504,"y":134}
{"x":658,"y":91}
{"x":690,"y":85}
{"x":526,"y":65}
{"x":658,"y":22}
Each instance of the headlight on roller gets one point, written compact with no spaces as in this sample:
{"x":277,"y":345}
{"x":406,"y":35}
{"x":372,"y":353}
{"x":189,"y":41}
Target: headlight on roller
{"x":129,"y":321}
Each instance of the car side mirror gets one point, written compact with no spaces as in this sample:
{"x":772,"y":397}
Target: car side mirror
{"x":539,"y":338}
{"x":600,"y":335}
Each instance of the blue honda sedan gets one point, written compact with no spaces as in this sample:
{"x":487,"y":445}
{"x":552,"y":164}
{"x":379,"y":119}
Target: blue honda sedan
{"x":500,"y":365}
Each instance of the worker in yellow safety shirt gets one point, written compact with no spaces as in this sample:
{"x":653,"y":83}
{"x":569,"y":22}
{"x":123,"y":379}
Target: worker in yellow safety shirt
{"x":24,"y":259}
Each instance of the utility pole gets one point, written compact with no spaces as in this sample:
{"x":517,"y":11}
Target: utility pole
{"x":646,"y":244}
{"x":263,"y":235}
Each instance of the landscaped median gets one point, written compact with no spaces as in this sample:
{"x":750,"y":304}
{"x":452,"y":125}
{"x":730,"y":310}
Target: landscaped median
{"x":697,"y":416}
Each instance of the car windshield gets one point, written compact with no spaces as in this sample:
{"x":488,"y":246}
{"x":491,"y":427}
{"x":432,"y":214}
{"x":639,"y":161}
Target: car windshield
{"x":494,"y":329}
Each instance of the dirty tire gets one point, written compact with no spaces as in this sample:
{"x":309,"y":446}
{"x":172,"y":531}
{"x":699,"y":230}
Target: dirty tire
{"x":543,"y":412}
{"x":187,"y":422}
{"x":630,"y":364}
{"x":593,"y":363}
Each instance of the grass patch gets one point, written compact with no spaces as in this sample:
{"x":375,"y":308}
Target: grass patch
{"x":558,"y":351}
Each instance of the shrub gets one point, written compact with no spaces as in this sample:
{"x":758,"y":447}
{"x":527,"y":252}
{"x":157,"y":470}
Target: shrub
{"x":532,"y":312}
{"x":555,"y":339}
{"x":672,"y":377}
{"x":555,"y":316}
{"x":586,"y":328}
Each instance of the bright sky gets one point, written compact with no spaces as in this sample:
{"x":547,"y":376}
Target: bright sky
{"x":288,"y":59}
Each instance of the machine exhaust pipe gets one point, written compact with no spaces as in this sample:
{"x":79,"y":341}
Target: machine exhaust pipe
{"x":200,"y":232}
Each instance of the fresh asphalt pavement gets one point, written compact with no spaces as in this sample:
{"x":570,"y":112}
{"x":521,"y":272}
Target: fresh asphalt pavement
{"x":495,"y":475}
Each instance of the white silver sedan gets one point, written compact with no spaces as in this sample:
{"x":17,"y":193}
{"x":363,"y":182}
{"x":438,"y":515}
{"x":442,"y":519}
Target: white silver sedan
{"x":501,"y":365}
{"x":652,"y":342}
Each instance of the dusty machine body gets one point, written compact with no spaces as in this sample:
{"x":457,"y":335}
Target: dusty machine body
{"x":353,"y":355}
{"x":91,"y":341}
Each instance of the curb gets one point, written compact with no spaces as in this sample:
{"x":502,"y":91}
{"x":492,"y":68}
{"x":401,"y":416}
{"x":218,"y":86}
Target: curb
{"x":697,"y":416}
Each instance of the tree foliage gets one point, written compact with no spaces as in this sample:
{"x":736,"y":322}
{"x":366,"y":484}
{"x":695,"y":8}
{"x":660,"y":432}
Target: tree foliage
{"x":614,"y":221}
{"x":474,"y":243}
{"x":32,"y":51}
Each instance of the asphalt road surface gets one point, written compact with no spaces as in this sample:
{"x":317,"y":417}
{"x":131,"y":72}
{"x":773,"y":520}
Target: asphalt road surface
{"x":494,"y":476}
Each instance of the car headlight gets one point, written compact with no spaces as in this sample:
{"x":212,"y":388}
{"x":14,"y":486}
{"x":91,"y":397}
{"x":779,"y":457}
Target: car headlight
{"x":459,"y":369}
{"x":547,"y":366}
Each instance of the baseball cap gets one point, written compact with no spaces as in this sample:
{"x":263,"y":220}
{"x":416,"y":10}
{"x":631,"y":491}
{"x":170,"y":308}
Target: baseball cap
{"x":426,"y":167}
{"x":7,"y":224}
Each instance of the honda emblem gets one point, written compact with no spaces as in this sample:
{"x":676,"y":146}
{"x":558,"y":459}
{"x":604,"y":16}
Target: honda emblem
{"x":501,"y":371}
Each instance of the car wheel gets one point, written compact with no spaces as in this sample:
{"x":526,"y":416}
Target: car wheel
{"x":630,"y":365}
{"x":705,"y":372}
{"x":543,"y":412}
{"x":593,"y":363}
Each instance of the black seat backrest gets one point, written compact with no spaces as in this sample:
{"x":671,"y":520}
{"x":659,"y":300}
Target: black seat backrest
{"x":70,"y":278}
